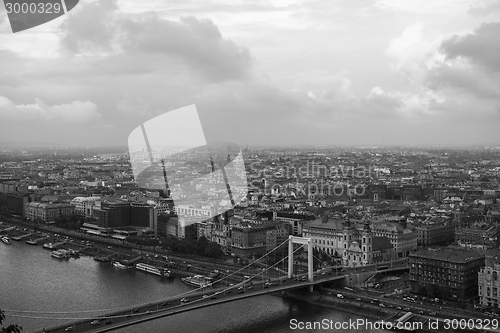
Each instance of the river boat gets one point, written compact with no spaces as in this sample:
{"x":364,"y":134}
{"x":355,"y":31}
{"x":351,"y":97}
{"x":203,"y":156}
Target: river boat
{"x":199,"y":281}
{"x":118,"y":264}
{"x":163,"y":272}
{"x":60,"y":254}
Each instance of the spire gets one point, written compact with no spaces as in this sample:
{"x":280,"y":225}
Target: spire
{"x":347,"y":223}
{"x":367,"y":228}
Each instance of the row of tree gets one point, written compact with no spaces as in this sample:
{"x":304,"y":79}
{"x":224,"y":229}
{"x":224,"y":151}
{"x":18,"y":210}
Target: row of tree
{"x":142,"y":240}
{"x":201,"y":246}
{"x":72,"y":222}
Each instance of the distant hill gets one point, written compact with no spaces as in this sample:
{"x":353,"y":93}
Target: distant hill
{"x":28,"y":144}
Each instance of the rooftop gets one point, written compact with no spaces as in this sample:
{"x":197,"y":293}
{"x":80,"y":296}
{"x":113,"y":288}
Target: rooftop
{"x":447,"y":254}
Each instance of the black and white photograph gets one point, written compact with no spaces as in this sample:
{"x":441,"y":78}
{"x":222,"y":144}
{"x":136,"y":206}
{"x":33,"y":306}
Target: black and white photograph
{"x":241,"y":166}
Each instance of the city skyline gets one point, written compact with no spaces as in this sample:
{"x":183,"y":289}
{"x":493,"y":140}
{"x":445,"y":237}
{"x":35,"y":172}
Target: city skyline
{"x":281,"y":73}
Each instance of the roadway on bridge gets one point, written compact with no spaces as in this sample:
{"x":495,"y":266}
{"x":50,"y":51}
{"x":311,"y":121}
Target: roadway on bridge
{"x":172,"y":306}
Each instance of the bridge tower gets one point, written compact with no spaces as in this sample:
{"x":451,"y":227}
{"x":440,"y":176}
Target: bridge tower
{"x":301,"y":240}
{"x":348,"y":234}
{"x":366,"y":244}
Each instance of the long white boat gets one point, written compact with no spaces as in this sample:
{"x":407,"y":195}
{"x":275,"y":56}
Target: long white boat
{"x":53,"y":246}
{"x":163,"y":272}
{"x":199,"y":281}
{"x":120,"y":265}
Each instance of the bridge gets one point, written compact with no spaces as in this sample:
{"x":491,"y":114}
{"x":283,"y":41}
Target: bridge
{"x":175,"y":305}
{"x":251,"y":286}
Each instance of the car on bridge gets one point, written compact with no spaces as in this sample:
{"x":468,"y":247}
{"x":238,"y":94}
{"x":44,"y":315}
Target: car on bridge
{"x":95,"y":322}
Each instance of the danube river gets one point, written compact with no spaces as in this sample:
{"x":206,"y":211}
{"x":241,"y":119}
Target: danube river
{"x":35,"y":286}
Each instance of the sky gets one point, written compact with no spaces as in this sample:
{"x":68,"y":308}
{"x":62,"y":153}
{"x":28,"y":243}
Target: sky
{"x":277,"y":72}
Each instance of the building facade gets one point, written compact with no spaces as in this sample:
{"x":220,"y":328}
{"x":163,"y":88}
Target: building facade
{"x":84,"y":206}
{"x":252,"y":240}
{"x":489,"y":283}
{"x":113,"y":214}
{"x":362,"y":248}
{"x":143,"y":215}
{"x":47,"y":212}
{"x":446,"y":273}
{"x":439,"y":233}
{"x":402,"y":239}
{"x":327,"y":235}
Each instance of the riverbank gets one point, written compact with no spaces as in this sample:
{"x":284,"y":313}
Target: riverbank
{"x":330,"y":302}
{"x":371,"y":311}
{"x":189,"y":265}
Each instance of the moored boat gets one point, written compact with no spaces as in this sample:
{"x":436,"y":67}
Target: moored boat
{"x":53,"y":246}
{"x":199,"y":281}
{"x":163,"y":272}
{"x":60,"y":254}
{"x":118,"y":264}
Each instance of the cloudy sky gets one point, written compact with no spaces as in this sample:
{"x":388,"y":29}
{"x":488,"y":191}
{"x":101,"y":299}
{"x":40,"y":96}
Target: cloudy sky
{"x":277,"y":72}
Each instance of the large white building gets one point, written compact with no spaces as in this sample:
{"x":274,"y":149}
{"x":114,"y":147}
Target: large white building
{"x":190,"y":211}
{"x":327,"y":235}
{"x":47,"y":212}
{"x":219,"y":233}
{"x":84,"y":206}
{"x":354,"y":242}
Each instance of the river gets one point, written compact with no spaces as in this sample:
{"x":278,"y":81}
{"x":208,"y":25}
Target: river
{"x":31,"y":280}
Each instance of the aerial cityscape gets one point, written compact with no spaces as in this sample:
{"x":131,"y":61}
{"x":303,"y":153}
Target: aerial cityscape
{"x":249,"y":166}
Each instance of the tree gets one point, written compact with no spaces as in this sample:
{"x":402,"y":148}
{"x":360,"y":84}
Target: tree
{"x":12,"y":328}
{"x":213,"y":250}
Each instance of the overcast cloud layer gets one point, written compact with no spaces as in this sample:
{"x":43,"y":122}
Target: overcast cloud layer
{"x":260,"y":72}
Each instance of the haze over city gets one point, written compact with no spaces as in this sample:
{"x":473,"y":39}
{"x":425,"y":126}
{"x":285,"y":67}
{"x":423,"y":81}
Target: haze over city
{"x":259,"y":72}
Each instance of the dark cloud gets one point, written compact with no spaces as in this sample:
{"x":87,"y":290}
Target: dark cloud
{"x":197,"y":42}
{"x":465,"y":80}
{"x":481,"y":47}
{"x":150,"y":39}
